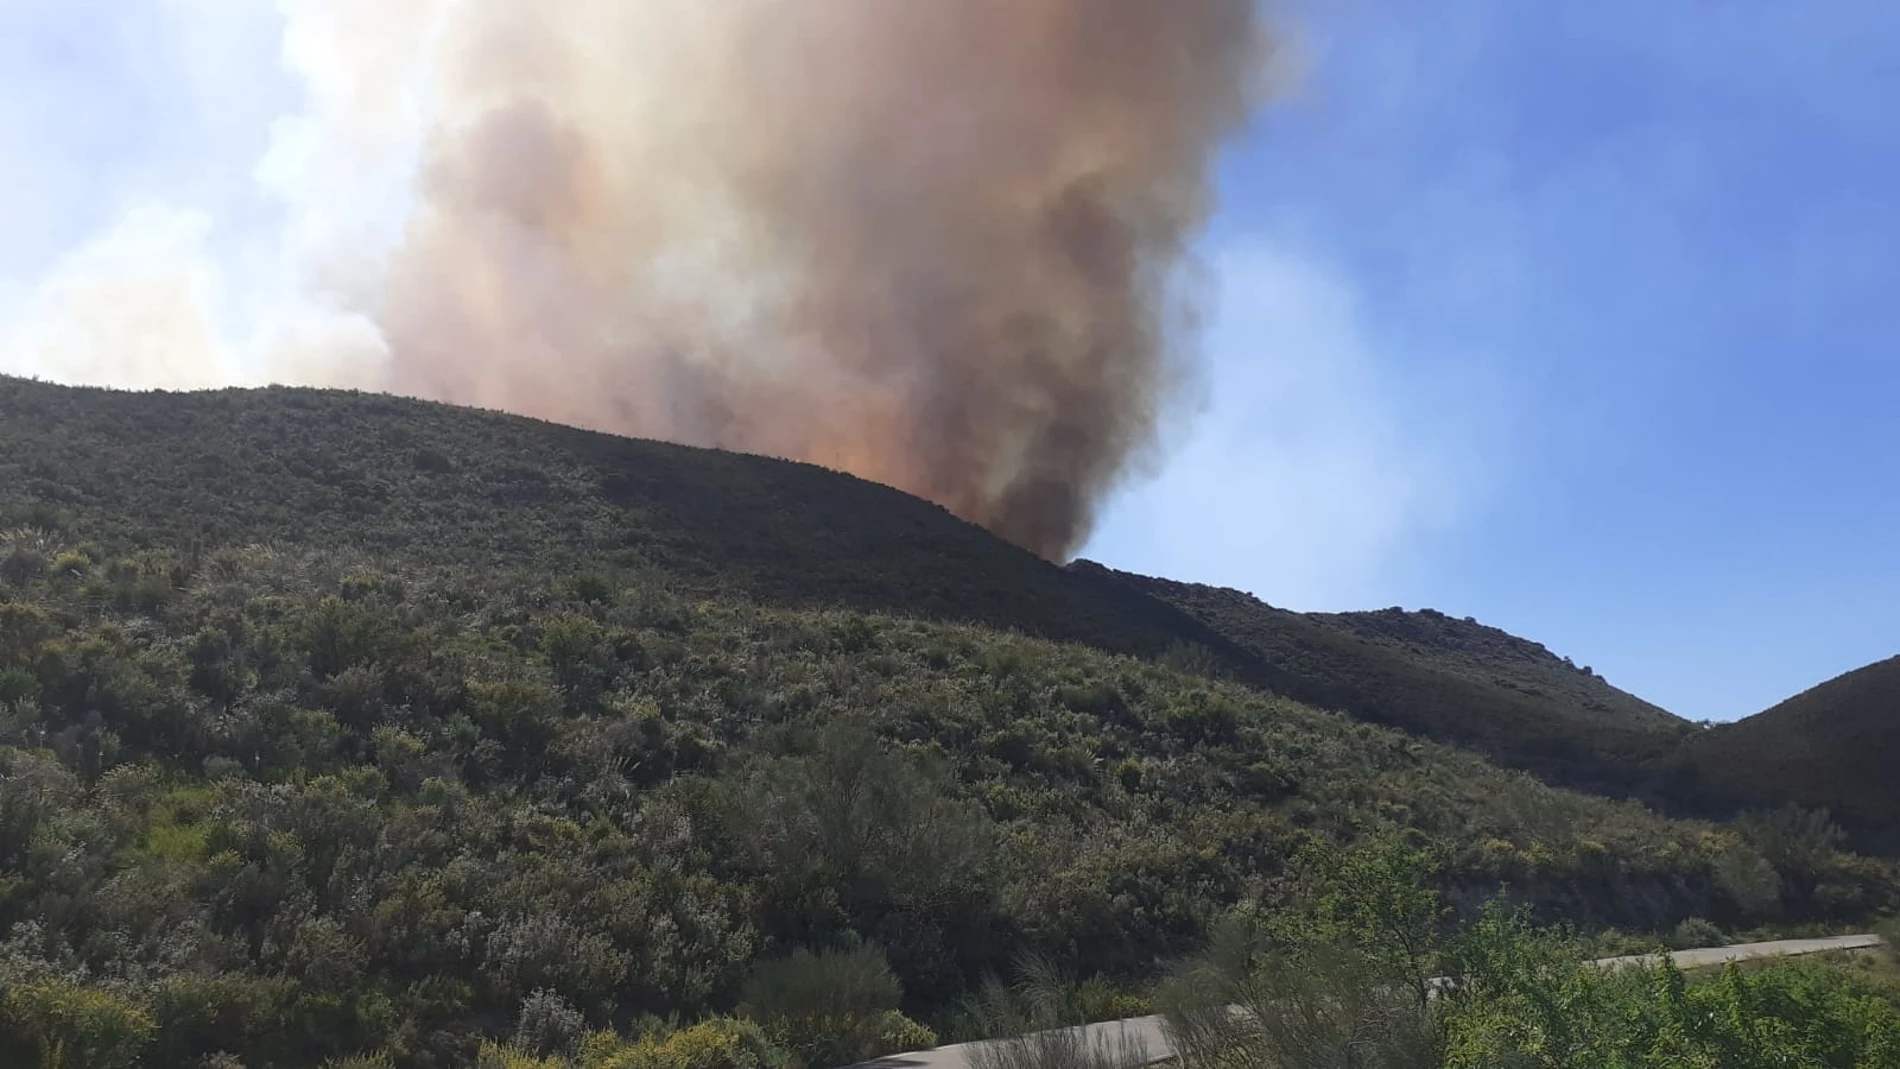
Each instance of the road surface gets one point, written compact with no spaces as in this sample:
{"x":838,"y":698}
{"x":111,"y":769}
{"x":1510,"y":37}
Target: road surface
{"x":1147,"y":1033}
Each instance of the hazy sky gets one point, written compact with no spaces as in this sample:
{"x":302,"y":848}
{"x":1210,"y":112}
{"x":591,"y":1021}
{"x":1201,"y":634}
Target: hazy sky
{"x":1578,"y":318}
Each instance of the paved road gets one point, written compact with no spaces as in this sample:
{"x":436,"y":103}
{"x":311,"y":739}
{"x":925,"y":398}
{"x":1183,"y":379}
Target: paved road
{"x":1779,"y":948}
{"x":1147,"y":1033}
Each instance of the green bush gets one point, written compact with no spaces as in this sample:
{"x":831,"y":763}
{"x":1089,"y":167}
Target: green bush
{"x":55,"y":1025}
{"x":832,"y":1008}
{"x":1695,"y":933}
{"x":1034,"y":1024}
{"x":549,"y":1024}
{"x":509,"y":1056}
{"x":341,"y":635}
{"x":202,"y":1015}
{"x":719,"y":1043}
{"x":23,"y":629}
{"x":1799,"y":842}
{"x":19,"y":686}
{"x":1101,"y":999}
{"x":1889,"y":931}
{"x":849,"y":834}
{"x":397,"y":759}
{"x":1568,"y":1015}
{"x":1749,"y":882}
{"x":1254,"y":998}
{"x":894,"y":1033}
{"x":1515,"y":995}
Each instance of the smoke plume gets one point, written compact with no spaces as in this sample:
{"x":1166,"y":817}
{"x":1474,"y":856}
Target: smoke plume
{"x":941,"y":244}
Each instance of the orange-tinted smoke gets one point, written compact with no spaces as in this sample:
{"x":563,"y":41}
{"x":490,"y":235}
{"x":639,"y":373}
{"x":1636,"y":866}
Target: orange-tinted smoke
{"x":941,"y":244}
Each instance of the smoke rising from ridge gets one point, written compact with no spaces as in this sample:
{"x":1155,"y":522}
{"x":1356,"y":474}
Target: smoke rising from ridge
{"x":940,"y":244}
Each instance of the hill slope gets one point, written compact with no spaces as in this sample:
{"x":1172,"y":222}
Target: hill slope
{"x":333,"y":724}
{"x":1498,"y":699}
{"x":1489,"y":656}
{"x":1833,"y":746}
{"x":385,"y":475}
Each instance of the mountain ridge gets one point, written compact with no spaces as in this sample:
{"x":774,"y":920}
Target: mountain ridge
{"x":1831,"y":746}
{"x":390,"y":474}
{"x":404,"y":463}
{"x":334,"y":725}
{"x":1479,"y":648}
{"x":1318,"y":660}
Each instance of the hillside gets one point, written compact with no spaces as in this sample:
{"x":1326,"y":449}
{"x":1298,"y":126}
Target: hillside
{"x":1832,"y":746}
{"x":481,"y":490}
{"x":334,"y":724}
{"x":477,"y":489}
{"x":1463,"y":683}
{"x":1493,"y":657}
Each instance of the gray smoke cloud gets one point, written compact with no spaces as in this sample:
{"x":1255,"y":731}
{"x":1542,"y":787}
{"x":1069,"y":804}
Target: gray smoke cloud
{"x":940,"y":244}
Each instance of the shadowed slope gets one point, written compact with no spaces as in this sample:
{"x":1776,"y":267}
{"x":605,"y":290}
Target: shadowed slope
{"x":487,"y":490}
{"x":1493,"y":657}
{"x":1499,"y":699}
{"x":332,"y":724}
{"x":1832,"y":746}
{"x":483,"y":490}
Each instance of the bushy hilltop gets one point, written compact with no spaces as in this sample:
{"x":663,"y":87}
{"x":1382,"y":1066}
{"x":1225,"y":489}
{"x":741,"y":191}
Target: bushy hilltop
{"x":334,"y":724}
{"x":1495,"y":657}
{"x":1462,"y":683}
{"x":474,"y":489}
{"x":470,"y":489}
{"x":1832,"y":746}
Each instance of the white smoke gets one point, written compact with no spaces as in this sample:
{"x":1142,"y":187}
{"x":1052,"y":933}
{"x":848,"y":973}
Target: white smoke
{"x":939,"y":243}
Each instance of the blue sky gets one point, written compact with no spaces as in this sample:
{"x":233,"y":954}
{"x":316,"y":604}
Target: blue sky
{"x":1612,"y":285}
{"x":1573,"y":317}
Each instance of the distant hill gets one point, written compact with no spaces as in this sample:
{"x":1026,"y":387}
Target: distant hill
{"x":341,"y":729}
{"x":483,"y":489}
{"x":1836,"y":746}
{"x":1441,"y":678}
{"x":1492,"y":657}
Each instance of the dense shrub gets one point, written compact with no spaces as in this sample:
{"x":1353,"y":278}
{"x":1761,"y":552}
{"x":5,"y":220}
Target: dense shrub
{"x":1035,"y":1023}
{"x":1315,"y":987}
{"x":367,"y":755}
{"x":1694,"y":933}
{"x":1526,"y":999}
{"x":720,"y":1043}
{"x":57,"y":1025}
{"x":832,"y":1008}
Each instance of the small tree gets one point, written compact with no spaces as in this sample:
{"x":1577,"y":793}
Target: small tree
{"x":1037,"y":1023}
{"x":832,"y":1008}
{"x":61,"y":1026}
{"x":855,"y":836}
{"x":1345,"y":982}
{"x":1799,"y":842}
{"x":1381,"y":899}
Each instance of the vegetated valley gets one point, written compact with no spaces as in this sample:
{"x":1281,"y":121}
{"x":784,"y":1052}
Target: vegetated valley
{"x":346,"y":730}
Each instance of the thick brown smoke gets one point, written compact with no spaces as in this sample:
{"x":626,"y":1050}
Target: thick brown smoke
{"x":941,"y":244}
